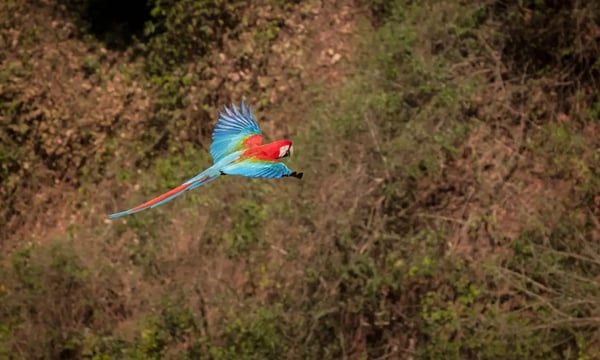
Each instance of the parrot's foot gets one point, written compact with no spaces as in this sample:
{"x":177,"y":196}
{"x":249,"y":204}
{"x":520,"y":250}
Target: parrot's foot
{"x":297,"y":175}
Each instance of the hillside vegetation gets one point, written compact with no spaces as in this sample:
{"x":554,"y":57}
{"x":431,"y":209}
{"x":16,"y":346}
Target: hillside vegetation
{"x":449,"y":209}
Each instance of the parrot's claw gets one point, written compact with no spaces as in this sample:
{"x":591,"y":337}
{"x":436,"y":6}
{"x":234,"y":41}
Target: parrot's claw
{"x":297,"y":175}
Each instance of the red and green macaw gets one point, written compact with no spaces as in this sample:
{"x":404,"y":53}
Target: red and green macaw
{"x":237,"y":149}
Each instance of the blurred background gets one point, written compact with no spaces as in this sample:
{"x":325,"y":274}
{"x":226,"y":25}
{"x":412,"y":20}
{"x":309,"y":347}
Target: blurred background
{"x":449,"y":208}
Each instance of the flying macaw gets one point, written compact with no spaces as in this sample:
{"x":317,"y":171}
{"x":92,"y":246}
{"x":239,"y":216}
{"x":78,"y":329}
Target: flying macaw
{"x":237,"y":149}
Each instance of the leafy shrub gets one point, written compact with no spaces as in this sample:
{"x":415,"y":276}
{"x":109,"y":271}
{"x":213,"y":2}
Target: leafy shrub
{"x":52,"y":297}
{"x":183,"y":29}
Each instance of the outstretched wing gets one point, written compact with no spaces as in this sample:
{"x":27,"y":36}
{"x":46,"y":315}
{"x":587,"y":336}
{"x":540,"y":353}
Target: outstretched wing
{"x":258,"y":168}
{"x":234,"y":131}
{"x":198,"y":180}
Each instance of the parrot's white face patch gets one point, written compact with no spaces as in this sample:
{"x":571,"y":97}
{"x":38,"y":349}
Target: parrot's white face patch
{"x":283,"y":150}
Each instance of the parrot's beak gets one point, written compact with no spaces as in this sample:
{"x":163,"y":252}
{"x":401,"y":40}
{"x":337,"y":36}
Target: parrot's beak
{"x":291,"y":150}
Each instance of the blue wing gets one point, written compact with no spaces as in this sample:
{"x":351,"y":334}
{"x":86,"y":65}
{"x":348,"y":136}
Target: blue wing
{"x":233,"y":128}
{"x":258,"y":168}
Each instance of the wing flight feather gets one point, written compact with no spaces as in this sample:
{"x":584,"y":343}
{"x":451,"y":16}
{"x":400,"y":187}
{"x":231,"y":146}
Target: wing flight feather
{"x":257,"y":168}
{"x":234,"y":127}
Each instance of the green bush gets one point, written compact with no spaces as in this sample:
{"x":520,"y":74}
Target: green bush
{"x":49,"y":298}
{"x":181,"y":30}
{"x":256,"y":335}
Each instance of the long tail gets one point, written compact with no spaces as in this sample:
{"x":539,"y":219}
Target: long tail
{"x":204,"y":177}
